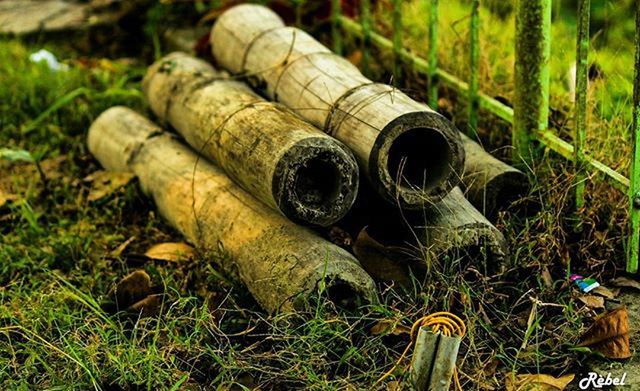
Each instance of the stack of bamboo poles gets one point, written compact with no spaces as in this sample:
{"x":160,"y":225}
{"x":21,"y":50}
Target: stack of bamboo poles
{"x":256,"y":171}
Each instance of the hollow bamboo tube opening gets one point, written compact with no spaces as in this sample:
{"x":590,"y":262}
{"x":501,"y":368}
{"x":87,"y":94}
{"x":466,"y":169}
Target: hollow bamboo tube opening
{"x":411,"y":154}
{"x":264,"y":147}
{"x":314,"y":180}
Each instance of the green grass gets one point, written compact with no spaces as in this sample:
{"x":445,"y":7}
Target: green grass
{"x":612,"y":49}
{"x":57,"y":266}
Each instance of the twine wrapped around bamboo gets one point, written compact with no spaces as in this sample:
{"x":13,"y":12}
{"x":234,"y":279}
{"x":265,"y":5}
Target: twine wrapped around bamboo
{"x":290,"y":66}
{"x":280,"y":263}
{"x":411,"y":154}
{"x":264,"y":147}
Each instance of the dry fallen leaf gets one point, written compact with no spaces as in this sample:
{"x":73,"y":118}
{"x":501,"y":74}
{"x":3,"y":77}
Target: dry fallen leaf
{"x":394,"y":386}
{"x":120,"y":249}
{"x":537,"y":382}
{"x":132,"y":288}
{"x":134,"y":295}
{"x":606,"y":292}
{"x":355,"y":57}
{"x":374,"y":258}
{"x":609,"y":334}
{"x":52,"y":167}
{"x":626,"y":283}
{"x":6,"y":198}
{"x":172,"y":252}
{"x":389,"y":326}
{"x":105,"y":183}
{"x":149,"y":306}
{"x":592,"y":301}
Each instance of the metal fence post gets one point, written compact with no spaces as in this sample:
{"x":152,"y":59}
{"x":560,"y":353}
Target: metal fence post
{"x":397,"y":41}
{"x":432,"y":74}
{"x":533,"y":50}
{"x":474,"y":60}
{"x":365,"y":20}
{"x":634,"y":188}
{"x":582,"y":54}
{"x":336,"y":11}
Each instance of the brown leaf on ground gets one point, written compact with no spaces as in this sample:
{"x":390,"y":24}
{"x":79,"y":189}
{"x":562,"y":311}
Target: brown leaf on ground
{"x":609,"y":334}
{"x":134,"y":295}
{"x":149,"y":306}
{"x":132,"y":288}
{"x":172,"y":252}
{"x":355,"y":57}
{"x":537,"y":382}
{"x":105,"y":183}
{"x":606,"y":292}
{"x":5,"y":198}
{"x":52,"y":167}
{"x":625,"y":282}
{"x":120,"y":249}
{"x":375,"y":259}
{"x":389,"y":326}
{"x":394,"y":386}
{"x":592,"y":301}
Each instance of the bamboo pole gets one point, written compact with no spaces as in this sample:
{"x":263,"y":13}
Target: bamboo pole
{"x":453,"y":230}
{"x":490,"y":184}
{"x":548,"y":138}
{"x":410,"y":153}
{"x":280,"y":263}
{"x":265,"y":148}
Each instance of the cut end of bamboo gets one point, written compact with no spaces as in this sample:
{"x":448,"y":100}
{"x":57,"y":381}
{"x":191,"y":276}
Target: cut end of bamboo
{"x":458,"y":232}
{"x":316,"y":181}
{"x":500,"y":192}
{"x":417,"y":159}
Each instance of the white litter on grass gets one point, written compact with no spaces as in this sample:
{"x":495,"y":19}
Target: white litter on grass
{"x":49,"y":58}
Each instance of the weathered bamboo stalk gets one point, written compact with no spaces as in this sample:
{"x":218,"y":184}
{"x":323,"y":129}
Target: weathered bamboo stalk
{"x":264,"y":147}
{"x":490,"y":184}
{"x":280,"y":263}
{"x":410,"y":153}
{"x":453,"y":229}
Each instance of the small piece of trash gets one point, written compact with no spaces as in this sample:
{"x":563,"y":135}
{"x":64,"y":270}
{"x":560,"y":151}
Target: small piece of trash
{"x":49,"y":58}
{"x":586,"y":285}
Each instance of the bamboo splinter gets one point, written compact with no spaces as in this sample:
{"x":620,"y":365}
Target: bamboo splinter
{"x":280,"y":263}
{"x":411,"y":154}
{"x":264,"y":147}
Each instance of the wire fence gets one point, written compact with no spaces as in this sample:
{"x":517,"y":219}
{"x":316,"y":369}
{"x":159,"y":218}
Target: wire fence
{"x":530,"y":112}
